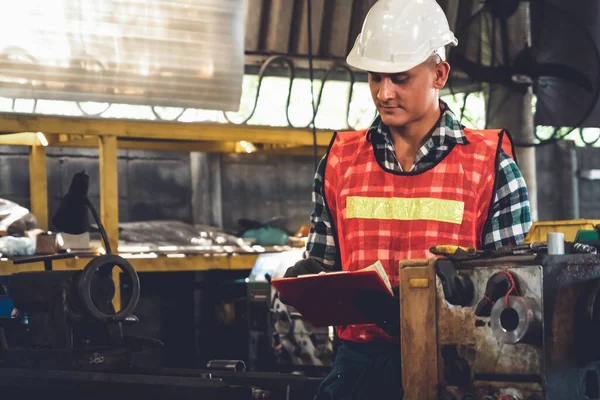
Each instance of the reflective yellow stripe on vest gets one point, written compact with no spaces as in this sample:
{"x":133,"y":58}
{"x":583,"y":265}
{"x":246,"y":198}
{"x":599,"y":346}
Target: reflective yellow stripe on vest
{"x":405,"y":209}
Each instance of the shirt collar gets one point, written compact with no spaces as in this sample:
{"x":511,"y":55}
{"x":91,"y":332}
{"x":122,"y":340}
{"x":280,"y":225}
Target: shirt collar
{"x":448,"y":129}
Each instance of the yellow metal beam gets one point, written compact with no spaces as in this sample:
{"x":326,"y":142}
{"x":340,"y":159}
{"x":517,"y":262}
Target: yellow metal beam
{"x":109,"y":186}
{"x":109,"y":200}
{"x":155,"y":145}
{"x":72,"y":141}
{"x":181,"y":146}
{"x":195,"y":263}
{"x":141,"y":265}
{"x":38,"y":185}
{"x":297,"y":151}
{"x":19,"y":139}
{"x":159,"y":129}
{"x":202,"y":147}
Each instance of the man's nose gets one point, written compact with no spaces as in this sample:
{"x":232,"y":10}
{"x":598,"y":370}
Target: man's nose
{"x":386,"y":90}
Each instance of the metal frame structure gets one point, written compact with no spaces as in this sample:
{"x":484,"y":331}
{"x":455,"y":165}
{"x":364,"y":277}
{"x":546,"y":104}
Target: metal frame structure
{"x":108,"y":135}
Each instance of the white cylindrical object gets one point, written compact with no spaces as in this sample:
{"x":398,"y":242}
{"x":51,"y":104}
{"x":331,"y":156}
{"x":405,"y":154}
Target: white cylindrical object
{"x":556,"y":243}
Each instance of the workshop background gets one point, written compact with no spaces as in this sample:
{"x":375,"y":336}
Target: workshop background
{"x":224,"y":87}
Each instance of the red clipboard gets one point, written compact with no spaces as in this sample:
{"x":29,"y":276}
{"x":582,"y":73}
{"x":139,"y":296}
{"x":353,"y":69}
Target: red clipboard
{"x":326,"y":299}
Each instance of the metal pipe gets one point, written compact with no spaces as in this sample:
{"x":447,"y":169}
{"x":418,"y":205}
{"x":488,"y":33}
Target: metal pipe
{"x":556,"y":243}
{"x":575,"y":209}
{"x":227,"y":365}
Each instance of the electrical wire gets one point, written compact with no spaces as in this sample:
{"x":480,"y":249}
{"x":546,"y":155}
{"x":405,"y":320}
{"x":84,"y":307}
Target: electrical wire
{"x":100,"y":226}
{"x":158,"y":116}
{"x":292,"y":76}
{"x":586,"y":142}
{"x":350,"y":93}
{"x":261,"y":75}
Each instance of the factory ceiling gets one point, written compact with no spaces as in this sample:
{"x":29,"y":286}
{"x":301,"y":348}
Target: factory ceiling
{"x":281,"y":27}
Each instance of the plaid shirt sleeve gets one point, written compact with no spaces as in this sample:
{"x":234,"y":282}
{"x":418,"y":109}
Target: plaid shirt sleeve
{"x":510,"y":219}
{"x":321,"y":240}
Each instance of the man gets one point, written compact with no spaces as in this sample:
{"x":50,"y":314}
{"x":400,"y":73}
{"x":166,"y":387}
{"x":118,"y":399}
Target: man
{"x":416,"y":178}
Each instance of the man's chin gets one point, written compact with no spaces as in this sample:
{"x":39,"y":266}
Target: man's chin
{"x":396,"y":119}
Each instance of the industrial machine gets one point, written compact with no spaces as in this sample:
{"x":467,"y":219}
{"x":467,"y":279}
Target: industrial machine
{"x":65,"y":338}
{"x":66,"y":319}
{"x":280,"y":339}
{"x":512,"y":327}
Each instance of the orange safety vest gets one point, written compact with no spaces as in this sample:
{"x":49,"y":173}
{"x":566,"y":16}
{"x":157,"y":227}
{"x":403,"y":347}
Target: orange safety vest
{"x":385,"y":216}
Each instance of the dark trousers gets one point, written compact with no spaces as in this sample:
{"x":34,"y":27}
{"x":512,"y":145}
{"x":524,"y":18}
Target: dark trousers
{"x":364,"y":371}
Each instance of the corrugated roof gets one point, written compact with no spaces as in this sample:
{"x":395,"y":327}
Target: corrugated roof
{"x":280,"y":26}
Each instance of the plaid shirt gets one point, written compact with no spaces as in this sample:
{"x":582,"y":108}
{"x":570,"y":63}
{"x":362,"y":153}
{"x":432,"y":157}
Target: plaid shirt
{"x":510,"y":220}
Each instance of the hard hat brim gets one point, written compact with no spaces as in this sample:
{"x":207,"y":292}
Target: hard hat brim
{"x":382,"y":67}
{"x":355,"y":60}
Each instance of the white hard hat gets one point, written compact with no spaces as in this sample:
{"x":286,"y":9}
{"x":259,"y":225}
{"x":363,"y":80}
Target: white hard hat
{"x":398,"y":35}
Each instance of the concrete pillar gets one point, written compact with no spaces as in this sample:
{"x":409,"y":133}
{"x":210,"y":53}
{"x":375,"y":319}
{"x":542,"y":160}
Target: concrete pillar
{"x":206,"y":188}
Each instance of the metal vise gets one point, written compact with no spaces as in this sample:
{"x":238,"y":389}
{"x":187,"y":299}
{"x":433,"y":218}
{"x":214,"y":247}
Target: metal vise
{"x":66,"y":319}
{"x":510,"y":328}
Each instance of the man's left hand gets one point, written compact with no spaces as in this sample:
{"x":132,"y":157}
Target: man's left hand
{"x":308,"y":266}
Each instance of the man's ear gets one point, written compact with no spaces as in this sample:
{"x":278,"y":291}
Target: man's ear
{"x":442,"y":71}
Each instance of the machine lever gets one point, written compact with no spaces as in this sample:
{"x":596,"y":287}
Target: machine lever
{"x":458,"y":288}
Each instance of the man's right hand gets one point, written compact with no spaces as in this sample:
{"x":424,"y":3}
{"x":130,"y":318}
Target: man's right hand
{"x":305,"y":267}
{"x":381,"y":307}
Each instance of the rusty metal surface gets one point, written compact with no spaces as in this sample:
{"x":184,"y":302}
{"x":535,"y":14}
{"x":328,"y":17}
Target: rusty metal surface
{"x":563,"y":365}
{"x":562,"y":324}
{"x":489,"y":388}
{"x":473,"y":335}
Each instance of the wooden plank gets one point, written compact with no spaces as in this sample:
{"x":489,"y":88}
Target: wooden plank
{"x":418,"y":332}
{"x":38,"y":184}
